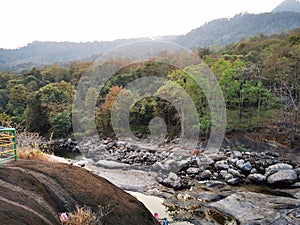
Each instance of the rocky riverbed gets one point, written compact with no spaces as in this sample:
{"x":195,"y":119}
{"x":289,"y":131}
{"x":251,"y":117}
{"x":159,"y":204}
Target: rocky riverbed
{"x":234,"y":185}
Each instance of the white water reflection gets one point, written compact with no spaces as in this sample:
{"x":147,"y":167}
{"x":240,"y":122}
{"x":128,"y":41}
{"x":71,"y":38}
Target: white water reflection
{"x":154,"y":204}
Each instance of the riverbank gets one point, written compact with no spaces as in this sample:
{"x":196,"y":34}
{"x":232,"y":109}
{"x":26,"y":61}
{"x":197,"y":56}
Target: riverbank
{"x":200,"y":187}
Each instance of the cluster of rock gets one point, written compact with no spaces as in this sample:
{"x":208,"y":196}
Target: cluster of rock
{"x":57,"y":145}
{"x":121,"y":151}
{"x":234,"y":167}
{"x":178,"y":168}
{"x":132,"y":154}
{"x":209,"y":199}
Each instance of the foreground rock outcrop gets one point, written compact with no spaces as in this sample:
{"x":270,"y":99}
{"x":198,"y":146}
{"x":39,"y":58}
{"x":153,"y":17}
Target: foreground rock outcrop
{"x":34,"y":192}
{"x":256,"y":208}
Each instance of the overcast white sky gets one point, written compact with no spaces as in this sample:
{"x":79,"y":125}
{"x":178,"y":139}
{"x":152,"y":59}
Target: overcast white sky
{"x":25,"y":21}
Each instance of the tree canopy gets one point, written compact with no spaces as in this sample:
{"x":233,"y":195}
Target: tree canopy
{"x":259,"y":77}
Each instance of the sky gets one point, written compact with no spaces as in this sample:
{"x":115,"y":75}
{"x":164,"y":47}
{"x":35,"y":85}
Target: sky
{"x":23,"y":22}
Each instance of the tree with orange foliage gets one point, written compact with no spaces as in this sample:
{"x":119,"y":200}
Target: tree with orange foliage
{"x":103,"y":116}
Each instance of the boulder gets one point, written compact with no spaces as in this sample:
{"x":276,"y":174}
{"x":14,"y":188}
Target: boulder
{"x":296,"y":185}
{"x":234,"y":172}
{"x":193,"y":170}
{"x":206,"y":175}
{"x":255,"y":208}
{"x":173,"y":177}
{"x":279,"y":166}
{"x":173,"y":181}
{"x":244,"y":166}
{"x":233,"y":181}
{"x":214,"y":185}
{"x":237,"y":154}
{"x":297,"y":171}
{"x":247,"y":167}
{"x":36,"y":192}
{"x":228,"y":177}
{"x":254,"y":170}
{"x":233,"y":161}
{"x":221,"y":165}
{"x":256,"y":178}
{"x":283,"y":178}
{"x":223,"y":174}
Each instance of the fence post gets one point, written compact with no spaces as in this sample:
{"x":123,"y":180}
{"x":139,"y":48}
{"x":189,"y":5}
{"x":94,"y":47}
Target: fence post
{"x":15,"y":144}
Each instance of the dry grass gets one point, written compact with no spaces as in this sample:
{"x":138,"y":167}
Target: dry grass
{"x":85,"y":216}
{"x":82,"y":216}
{"x":28,"y":147}
{"x":33,"y":153}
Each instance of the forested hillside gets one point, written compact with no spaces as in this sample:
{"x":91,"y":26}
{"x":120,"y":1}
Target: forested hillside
{"x":45,"y":53}
{"x":219,"y":32}
{"x":259,"y":77}
{"x":231,"y":30}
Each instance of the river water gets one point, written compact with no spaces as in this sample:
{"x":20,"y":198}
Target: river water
{"x":155,"y":205}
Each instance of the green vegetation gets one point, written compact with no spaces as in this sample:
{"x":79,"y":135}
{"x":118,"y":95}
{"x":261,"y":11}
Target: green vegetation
{"x":259,"y":77}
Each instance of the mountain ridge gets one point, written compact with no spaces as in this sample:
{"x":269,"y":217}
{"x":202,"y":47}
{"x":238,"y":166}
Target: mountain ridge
{"x":288,"y":6}
{"x":231,"y":30}
{"x":219,"y":32}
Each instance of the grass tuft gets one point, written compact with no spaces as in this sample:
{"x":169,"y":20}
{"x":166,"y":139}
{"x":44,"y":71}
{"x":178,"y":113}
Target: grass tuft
{"x":82,"y":216}
{"x":33,"y":154}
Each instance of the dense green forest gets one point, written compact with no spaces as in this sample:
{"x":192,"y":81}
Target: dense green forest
{"x":259,"y":77}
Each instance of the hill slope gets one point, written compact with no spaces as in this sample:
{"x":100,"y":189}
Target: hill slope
{"x":45,"y":53}
{"x":217,"y":32}
{"x":225,"y":31}
{"x":35,"y":192}
{"x":288,"y":5}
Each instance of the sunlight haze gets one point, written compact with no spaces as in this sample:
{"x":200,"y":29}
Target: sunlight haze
{"x":23,"y":22}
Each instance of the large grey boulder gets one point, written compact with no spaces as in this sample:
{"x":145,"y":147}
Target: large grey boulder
{"x":283,"y":178}
{"x":222,"y":165}
{"x":279,"y":166}
{"x":244,"y":166}
{"x":255,"y":208}
{"x":173,"y":181}
{"x":256,"y":178}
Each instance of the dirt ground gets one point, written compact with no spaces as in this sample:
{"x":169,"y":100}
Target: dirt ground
{"x":35,"y":192}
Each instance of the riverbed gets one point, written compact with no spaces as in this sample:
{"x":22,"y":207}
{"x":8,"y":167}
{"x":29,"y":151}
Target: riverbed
{"x":208,"y":188}
{"x":135,"y":182}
